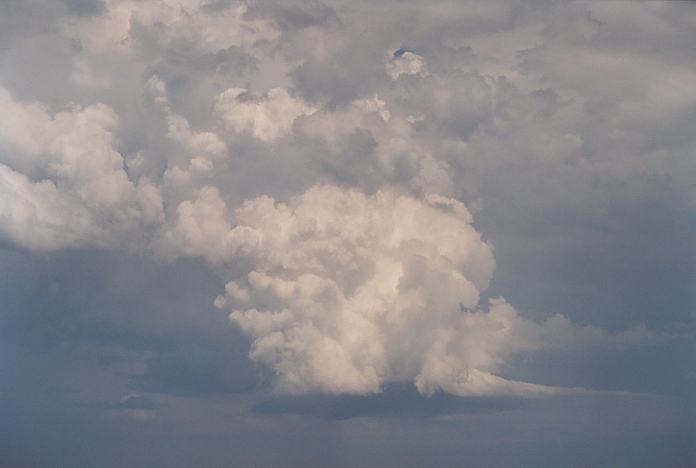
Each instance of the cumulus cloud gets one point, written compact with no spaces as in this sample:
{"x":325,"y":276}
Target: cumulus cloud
{"x":175,"y":21}
{"x":341,"y":279}
{"x":388,"y":149}
{"x":349,"y":292}
{"x":62,"y":175}
{"x":323,"y":181}
{"x":266,"y":118}
{"x":373,"y":104}
{"x":34,"y":214}
{"x":404,"y":62}
{"x":200,"y":150}
{"x":200,"y":229}
{"x":198,"y":144}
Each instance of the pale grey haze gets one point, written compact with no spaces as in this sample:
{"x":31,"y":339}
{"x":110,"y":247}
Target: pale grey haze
{"x":375,"y":234}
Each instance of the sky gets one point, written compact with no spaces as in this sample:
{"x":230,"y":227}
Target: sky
{"x":325,"y":233}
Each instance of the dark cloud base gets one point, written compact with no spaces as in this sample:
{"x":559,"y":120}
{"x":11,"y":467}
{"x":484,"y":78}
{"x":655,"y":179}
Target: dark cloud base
{"x":398,"y":401}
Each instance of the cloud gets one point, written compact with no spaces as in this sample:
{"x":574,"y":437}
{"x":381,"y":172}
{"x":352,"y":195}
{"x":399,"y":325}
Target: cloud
{"x":135,"y":402}
{"x":82,"y":194}
{"x":348,"y":292}
{"x":195,"y":155}
{"x":396,"y":401}
{"x":200,"y":229}
{"x":373,"y":104}
{"x":191,"y":21}
{"x":323,"y":181}
{"x":266,"y":118}
{"x":365,"y":144}
{"x":338,"y":173}
{"x":342,"y":280}
{"x":405,"y":63}
{"x":198,"y":144}
{"x":34,"y":214}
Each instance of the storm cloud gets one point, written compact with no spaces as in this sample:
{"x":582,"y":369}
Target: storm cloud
{"x":337,"y":214}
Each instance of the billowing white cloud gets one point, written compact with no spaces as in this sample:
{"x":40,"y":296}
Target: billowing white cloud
{"x":341,"y":281}
{"x":35,"y":214}
{"x":266,"y":118}
{"x":200,"y":229}
{"x":347,"y":292}
{"x":62,"y":175}
{"x":375,"y":276}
